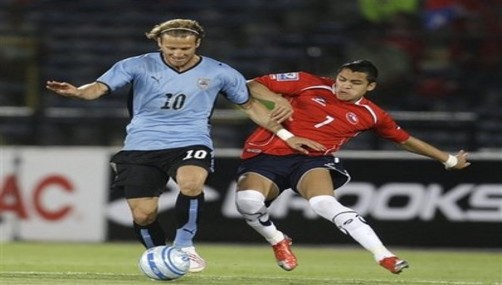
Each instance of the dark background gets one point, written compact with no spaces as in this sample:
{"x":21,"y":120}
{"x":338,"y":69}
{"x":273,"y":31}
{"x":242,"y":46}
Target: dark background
{"x":438,"y":232}
{"x":439,"y":61}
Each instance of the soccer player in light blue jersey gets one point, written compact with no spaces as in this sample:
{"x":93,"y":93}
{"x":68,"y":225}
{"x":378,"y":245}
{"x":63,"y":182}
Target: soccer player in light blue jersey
{"x":174,"y":92}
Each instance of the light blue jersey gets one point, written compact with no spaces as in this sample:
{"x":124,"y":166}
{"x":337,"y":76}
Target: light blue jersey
{"x":171,"y":109}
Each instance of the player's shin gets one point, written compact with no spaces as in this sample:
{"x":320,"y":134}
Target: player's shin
{"x":350,"y":223}
{"x":188,"y":211}
{"x":251,"y":205}
{"x":150,"y":235}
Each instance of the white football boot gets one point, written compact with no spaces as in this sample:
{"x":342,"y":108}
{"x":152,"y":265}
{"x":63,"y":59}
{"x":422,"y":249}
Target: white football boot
{"x":197,"y":263}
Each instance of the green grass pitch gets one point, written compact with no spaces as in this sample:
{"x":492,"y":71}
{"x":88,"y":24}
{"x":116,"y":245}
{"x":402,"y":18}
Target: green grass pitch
{"x":26,"y":263}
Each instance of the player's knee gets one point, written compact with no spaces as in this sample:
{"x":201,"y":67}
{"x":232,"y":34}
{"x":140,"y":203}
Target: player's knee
{"x":325,"y":206}
{"x":343,"y":217}
{"x":190,"y":187}
{"x":144,"y":216}
{"x":249,"y":202}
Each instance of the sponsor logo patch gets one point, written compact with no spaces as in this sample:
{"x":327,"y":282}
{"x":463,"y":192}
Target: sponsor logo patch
{"x":292,"y":76}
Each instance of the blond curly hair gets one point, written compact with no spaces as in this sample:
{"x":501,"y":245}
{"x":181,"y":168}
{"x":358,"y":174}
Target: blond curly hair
{"x":177,"y":28}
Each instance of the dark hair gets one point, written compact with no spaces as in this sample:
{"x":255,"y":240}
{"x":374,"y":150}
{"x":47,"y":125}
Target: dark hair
{"x":364,"y":66}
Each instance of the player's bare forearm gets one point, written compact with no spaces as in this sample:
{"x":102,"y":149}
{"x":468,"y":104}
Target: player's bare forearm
{"x":262,"y":117}
{"x":259,"y":114}
{"x":89,"y":91}
{"x":418,"y":146}
{"x":281,"y":108}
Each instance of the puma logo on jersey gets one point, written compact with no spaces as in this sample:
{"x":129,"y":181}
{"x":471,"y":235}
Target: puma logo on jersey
{"x":320,"y":100}
{"x":155,"y":78}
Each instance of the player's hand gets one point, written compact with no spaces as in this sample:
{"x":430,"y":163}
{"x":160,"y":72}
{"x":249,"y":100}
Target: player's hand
{"x":462,"y":160}
{"x":302,"y":144}
{"x":62,"y":88}
{"x":282,"y":110}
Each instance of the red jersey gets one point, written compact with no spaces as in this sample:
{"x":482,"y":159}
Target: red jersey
{"x":320,"y":116}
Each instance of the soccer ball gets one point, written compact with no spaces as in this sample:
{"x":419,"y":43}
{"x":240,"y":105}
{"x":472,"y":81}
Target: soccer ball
{"x":164,"y":263}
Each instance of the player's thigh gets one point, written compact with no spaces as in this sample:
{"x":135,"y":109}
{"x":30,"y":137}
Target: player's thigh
{"x":315,"y":182}
{"x":139,"y":181}
{"x":191,"y":179}
{"x":258,"y":182}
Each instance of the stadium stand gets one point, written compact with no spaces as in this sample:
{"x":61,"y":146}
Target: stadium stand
{"x":442,"y":81}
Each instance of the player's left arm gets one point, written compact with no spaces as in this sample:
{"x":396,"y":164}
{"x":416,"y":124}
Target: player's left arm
{"x":415,"y":145}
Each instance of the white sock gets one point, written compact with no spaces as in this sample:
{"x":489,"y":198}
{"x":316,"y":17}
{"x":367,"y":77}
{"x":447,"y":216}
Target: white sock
{"x":350,"y":223}
{"x":251,"y":205}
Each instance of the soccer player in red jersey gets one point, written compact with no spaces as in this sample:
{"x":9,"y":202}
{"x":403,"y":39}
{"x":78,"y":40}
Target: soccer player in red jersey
{"x":330,"y":112}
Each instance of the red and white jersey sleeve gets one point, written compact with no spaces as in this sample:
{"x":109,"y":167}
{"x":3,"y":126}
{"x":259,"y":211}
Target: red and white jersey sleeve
{"x":320,"y":116}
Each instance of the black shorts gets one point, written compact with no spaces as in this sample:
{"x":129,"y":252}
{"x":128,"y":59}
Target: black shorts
{"x":146,"y":173}
{"x":286,"y":171}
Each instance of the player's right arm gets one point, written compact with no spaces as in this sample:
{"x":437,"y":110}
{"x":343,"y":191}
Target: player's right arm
{"x":88,"y":91}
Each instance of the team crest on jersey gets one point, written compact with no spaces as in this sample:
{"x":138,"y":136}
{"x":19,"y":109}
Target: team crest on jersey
{"x":291,"y":76}
{"x":203,"y":83}
{"x":352,"y":118}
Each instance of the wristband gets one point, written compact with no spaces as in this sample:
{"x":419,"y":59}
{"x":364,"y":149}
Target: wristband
{"x":450,"y":162}
{"x":284,"y":134}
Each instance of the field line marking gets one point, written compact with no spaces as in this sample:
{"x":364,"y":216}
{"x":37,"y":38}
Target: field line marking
{"x":216,"y":277}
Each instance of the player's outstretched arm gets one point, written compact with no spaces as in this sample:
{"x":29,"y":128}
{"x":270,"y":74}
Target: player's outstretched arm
{"x":450,"y":161}
{"x":89,"y":91}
